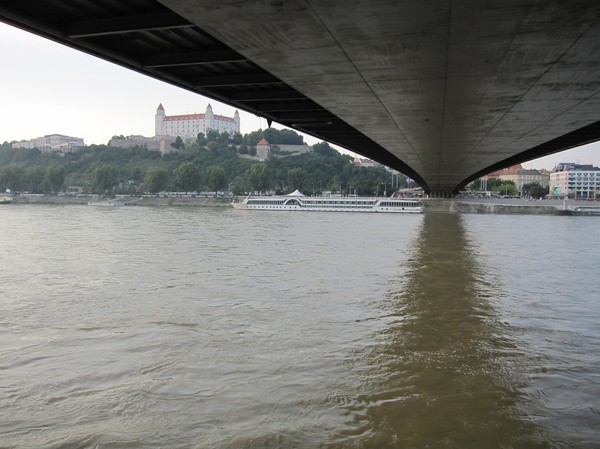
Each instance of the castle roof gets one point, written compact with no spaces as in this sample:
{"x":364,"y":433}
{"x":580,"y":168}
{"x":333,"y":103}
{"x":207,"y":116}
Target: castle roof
{"x":223,"y":118}
{"x":184,"y":117}
{"x":263,"y":141}
{"x":196,"y":116}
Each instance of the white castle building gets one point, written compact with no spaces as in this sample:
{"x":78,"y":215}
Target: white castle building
{"x":188,"y":126}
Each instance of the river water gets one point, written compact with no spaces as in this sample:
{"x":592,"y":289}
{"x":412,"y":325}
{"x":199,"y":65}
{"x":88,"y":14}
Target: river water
{"x":211,"y":328}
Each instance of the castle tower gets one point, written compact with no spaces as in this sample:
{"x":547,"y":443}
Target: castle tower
{"x":236,"y":117}
{"x":263,"y":149}
{"x":159,"y":119}
{"x":209,"y":117}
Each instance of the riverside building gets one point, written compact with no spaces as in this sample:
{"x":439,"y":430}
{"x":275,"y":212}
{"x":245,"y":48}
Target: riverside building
{"x":575,"y":181}
{"x":520,"y":176}
{"x":188,"y":126}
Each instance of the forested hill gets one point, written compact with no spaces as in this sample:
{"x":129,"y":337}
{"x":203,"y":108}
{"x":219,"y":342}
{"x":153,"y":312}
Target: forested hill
{"x":212,"y":163}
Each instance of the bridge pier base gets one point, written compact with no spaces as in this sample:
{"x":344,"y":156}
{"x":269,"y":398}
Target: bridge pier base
{"x":441,"y":193}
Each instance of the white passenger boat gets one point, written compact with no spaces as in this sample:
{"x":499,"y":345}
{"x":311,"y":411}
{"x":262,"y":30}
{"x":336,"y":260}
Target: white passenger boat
{"x":5,"y":199}
{"x":333,"y":203}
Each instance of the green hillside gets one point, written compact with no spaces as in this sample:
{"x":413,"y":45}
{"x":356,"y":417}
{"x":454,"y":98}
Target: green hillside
{"x":214,"y":162}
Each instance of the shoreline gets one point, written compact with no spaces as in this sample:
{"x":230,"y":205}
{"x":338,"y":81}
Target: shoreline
{"x":150,"y":201}
{"x":455,"y":205}
{"x":517,"y":206}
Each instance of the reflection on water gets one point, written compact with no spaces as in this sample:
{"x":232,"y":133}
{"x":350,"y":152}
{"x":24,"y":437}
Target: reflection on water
{"x":446,"y":374}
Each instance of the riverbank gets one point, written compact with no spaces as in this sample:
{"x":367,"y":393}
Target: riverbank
{"x":456,"y":205}
{"x":159,"y":201}
{"x":512,"y":206}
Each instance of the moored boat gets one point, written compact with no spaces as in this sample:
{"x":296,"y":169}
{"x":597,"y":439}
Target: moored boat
{"x":296,"y":201}
{"x":5,"y":199}
{"x":107,"y":203}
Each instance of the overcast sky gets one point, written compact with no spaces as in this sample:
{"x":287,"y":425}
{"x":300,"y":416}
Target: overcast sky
{"x":47,"y":88}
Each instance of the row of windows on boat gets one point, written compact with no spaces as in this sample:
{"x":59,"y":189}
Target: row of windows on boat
{"x":395,"y":204}
{"x":337,"y":204}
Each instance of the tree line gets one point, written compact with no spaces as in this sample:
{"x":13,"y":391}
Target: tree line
{"x":211,"y":163}
{"x":505,"y":187}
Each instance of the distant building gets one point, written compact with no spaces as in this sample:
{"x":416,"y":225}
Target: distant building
{"x":52,"y":143}
{"x":264,"y":150}
{"x":520,"y":176}
{"x":364,"y":162}
{"x":190,"y":125}
{"x":575,"y":181}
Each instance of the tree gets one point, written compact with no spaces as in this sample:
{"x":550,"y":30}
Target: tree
{"x":323,"y":148}
{"x":55,"y":178}
{"x":104,"y":178}
{"x":259,"y":177}
{"x":35,"y":177}
{"x":178,"y":144}
{"x":223,"y":137}
{"x":201,"y":139}
{"x":505,"y":188}
{"x":12,"y":177}
{"x":215,"y":178}
{"x":251,"y":139}
{"x":290,"y":137}
{"x":212,"y":135}
{"x":535,"y":190}
{"x":296,"y":178}
{"x":238,"y":139}
{"x":282,"y":137}
{"x":136,"y":175}
{"x":156,"y":179}
{"x":187,"y":176}
{"x":271,"y":135}
{"x":493,"y":182}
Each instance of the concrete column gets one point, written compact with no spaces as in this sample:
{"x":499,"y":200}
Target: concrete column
{"x":441,"y":193}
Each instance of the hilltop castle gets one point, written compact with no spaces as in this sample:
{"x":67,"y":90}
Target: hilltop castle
{"x":188,"y":126}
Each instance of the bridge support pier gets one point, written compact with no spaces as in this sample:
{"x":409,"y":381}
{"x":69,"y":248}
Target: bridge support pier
{"x":441,"y":193}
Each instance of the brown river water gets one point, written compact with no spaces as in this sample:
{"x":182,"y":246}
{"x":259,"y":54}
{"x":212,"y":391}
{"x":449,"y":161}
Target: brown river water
{"x":183,"y":327}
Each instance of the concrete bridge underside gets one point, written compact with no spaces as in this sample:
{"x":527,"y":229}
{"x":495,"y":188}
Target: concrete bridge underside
{"x":443,"y":91}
